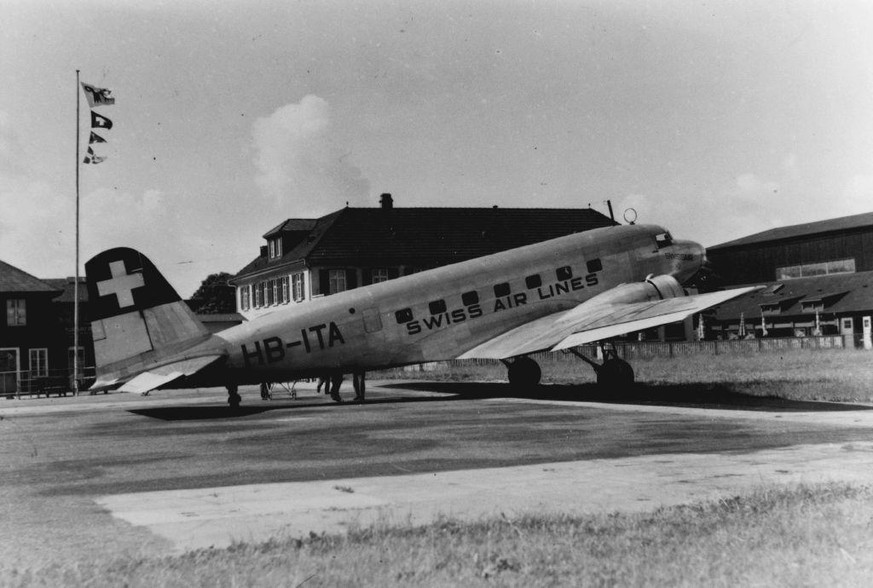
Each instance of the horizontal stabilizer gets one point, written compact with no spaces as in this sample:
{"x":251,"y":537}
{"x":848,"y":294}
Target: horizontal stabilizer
{"x":147,"y":381}
{"x":163,"y":375}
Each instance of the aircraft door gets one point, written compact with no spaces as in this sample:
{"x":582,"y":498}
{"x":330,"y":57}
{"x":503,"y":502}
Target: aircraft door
{"x":372,"y":320}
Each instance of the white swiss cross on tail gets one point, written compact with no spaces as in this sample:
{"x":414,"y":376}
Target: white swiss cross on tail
{"x":122,"y":284}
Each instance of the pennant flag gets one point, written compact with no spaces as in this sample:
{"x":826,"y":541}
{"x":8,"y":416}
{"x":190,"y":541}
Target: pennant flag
{"x":100,"y":122}
{"x":95,"y":138}
{"x":97,"y":96}
{"x":91,"y":158}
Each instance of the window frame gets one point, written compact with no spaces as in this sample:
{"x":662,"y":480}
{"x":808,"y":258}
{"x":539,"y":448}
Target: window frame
{"x":333,"y":281}
{"x":379,"y":275}
{"x":42,"y":370}
{"x":16,"y":312}
{"x":297,"y":292}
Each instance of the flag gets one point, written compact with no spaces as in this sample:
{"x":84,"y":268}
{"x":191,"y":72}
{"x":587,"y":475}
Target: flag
{"x":91,"y":158}
{"x":97,"y":96}
{"x":95,"y":138}
{"x":100,"y":122}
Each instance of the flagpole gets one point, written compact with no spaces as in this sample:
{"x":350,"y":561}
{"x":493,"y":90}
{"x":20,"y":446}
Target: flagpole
{"x":76,"y":284}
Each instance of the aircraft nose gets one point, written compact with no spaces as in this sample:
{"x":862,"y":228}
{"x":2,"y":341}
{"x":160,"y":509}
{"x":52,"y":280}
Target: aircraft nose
{"x":692,"y":257}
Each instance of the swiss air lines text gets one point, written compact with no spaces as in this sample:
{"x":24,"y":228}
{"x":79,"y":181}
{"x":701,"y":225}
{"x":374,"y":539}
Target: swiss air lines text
{"x":474,"y":311}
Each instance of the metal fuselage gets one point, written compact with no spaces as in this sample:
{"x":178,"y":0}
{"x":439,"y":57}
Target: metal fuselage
{"x":441,"y":313}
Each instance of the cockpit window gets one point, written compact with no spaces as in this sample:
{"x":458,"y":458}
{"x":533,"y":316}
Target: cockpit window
{"x":663,"y":240}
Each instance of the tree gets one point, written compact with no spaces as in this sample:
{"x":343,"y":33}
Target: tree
{"x":214,"y":296}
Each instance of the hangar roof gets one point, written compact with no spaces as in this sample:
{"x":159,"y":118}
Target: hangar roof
{"x":802,"y":230}
{"x":839,"y":293}
{"x":15,"y":280}
{"x":421,"y":236}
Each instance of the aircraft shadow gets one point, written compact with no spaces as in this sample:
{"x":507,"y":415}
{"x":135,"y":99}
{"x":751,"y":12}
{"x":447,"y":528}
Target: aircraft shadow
{"x":215,"y":411}
{"x":707,"y":396}
{"x":710,"y":396}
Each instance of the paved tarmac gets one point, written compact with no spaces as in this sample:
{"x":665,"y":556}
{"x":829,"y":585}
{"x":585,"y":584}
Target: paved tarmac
{"x":176,"y":470}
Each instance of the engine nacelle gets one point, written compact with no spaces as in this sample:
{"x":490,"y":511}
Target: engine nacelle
{"x":652,"y":289}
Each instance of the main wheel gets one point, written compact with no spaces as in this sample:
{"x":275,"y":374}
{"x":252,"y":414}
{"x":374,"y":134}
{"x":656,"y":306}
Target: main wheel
{"x":615,"y":374}
{"x":233,"y":399}
{"x":524,"y":373}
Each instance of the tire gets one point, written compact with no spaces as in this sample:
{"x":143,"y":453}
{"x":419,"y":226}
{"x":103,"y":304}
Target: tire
{"x":524,"y":373}
{"x":616,"y":375}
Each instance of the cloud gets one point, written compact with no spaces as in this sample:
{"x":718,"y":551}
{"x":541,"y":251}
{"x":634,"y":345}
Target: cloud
{"x":300,"y":162}
{"x":750,"y":186}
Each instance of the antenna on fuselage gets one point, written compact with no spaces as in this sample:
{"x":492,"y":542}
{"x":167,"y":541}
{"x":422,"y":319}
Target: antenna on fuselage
{"x":630,"y":216}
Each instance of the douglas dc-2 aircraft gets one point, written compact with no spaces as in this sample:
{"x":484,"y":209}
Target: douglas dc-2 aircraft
{"x":554,"y":295}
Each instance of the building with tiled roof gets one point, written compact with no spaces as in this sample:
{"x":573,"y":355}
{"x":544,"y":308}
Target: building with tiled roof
{"x":803,"y":306}
{"x":305,"y":258}
{"x":31,"y":338}
{"x":818,"y":280}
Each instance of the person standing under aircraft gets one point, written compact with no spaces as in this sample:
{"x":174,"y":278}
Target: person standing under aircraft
{"x":358,"y":382}
{"x":335,"y":380}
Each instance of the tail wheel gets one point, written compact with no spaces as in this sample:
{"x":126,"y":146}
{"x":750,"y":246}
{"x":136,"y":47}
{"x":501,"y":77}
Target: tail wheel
{"x":524,"y":373}
{"x":615,"y":373}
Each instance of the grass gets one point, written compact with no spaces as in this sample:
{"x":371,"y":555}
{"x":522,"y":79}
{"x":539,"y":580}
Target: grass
{"x":809,"y":535}
{"x":832,"y":375}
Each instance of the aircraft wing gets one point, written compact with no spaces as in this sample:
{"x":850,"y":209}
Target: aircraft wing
{"x":595,"y":320}
{"x":156,"y":377}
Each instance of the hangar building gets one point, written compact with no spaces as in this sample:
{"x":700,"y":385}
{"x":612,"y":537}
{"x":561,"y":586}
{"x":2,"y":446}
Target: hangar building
{"x":306,"y":258}
{"x":818,"y":280}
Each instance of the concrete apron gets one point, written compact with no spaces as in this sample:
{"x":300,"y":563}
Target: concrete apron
{"x":217,"y":517}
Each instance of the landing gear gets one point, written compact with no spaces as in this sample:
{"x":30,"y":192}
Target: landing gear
{"x":233,"y":397}
{"x":523,"y":373}
{"x":360,"y":385}
{"x":614,"y":374}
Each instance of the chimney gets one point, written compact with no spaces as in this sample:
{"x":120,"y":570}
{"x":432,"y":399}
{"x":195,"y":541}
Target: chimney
{"x":386,"y":201}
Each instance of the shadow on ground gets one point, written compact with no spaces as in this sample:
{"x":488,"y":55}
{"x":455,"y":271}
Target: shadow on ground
{"x":710,"y":396}
{"x":704,"y":396}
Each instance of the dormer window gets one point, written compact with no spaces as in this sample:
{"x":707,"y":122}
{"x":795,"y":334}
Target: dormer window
{"x":812,"y":305}
{"x":771,"y":308}
{"x":275,"y":246}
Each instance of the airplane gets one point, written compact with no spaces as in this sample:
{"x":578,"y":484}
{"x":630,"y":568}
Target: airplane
{"x":554,"y":295}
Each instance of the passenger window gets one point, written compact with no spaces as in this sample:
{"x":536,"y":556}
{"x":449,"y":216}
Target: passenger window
{"x":403,"y":316}
{"x":594,"y":265}
{"x":564,"y":273}
{"x":502,"y":289}
{"x":437,"y":306}
{"x":470,"y":298}
{"x":534,"y":281}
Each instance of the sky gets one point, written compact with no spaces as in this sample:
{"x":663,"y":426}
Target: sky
{"x":714,"y":119}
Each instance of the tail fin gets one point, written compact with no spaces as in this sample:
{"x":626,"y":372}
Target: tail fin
{"x":137,"y":317}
